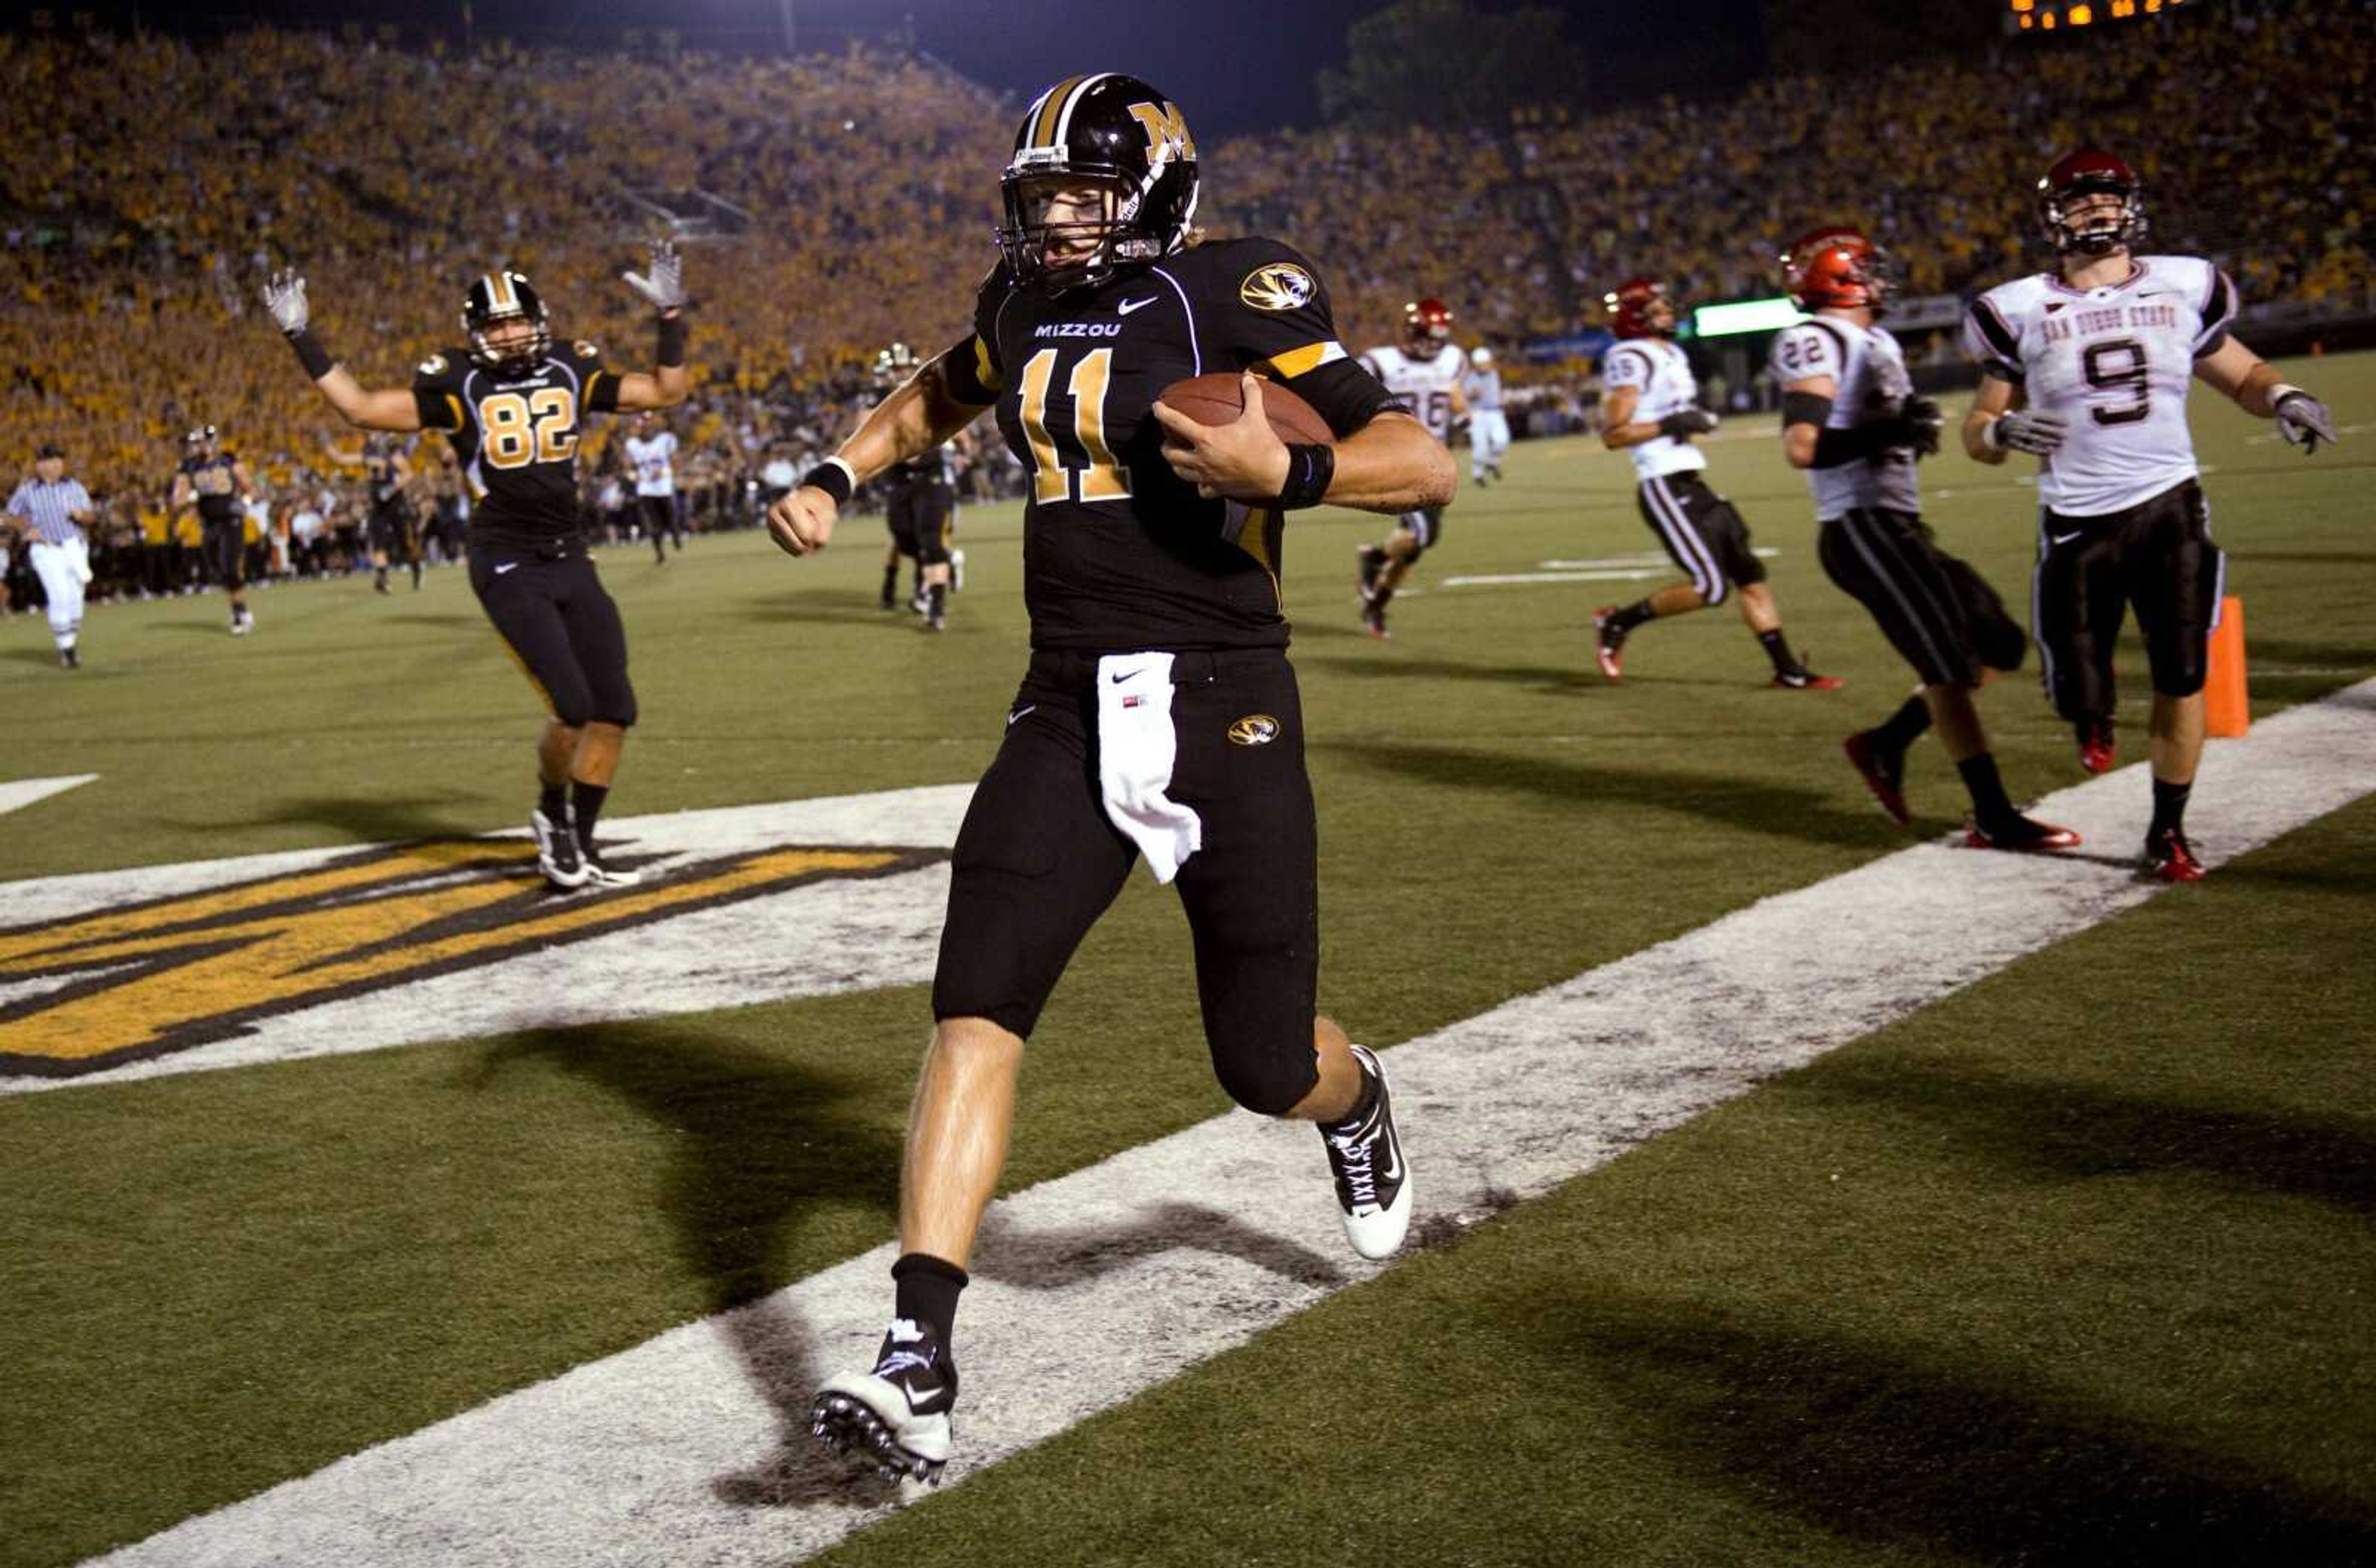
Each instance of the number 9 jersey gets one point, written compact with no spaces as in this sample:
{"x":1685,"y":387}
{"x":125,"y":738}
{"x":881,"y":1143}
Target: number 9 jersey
{"x":516,"y":437}
{"x":2116,"y":361}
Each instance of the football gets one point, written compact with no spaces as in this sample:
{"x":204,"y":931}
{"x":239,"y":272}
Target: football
{"x":1218,"y":400}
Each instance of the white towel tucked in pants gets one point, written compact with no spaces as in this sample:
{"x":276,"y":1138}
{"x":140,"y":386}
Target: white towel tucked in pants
{"x":1135,"y":751}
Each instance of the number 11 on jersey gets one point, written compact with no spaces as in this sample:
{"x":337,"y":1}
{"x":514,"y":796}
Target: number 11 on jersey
{"x":1103,"y":479}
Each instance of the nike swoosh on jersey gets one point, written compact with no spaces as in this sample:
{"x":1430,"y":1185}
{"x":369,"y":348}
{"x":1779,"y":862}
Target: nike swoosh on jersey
{"x":1020,"y":713}
{"x":2065,"y":538}
{"x":506,"y":566}
{"x":1129,"y":305}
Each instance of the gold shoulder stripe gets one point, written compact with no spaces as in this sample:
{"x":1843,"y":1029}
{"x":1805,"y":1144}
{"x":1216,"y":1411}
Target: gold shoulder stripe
{"x":983,"y":371}
{"x":455,"y":403}
{"x":1310,"y":357}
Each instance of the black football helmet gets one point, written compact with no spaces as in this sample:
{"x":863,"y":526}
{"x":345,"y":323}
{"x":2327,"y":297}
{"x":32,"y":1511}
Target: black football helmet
{"x":1123,"y":135}
{"x":499,"y":297}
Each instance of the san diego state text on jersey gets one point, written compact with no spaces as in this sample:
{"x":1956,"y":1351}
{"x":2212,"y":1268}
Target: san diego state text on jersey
{"x":1119,"y":552}
{"x":517,"y":436}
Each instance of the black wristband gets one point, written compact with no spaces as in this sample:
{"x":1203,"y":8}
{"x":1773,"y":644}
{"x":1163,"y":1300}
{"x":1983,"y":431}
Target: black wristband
{"x":1310,"y":469}
{"x":311,"y":354}
{"x":673,"y":332}
{"x":1835,"y":447}
{"x":833,"y":477}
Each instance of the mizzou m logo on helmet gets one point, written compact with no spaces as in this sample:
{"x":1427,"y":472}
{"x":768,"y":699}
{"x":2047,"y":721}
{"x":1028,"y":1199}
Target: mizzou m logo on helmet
{"x":1166,"y":132}
{"x":1280,"y":285}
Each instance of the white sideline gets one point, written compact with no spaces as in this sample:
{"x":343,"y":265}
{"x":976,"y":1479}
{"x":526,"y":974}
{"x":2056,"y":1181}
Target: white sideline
{"x":691,"y":1448}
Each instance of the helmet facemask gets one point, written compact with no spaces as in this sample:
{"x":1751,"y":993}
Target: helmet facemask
{"x":494,"y":300}
{"x":1092,"y":248}
{"x":2101,"y":229}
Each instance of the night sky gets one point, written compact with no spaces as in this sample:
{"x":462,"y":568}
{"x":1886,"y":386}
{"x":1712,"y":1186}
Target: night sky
{"x":1235,"y":65}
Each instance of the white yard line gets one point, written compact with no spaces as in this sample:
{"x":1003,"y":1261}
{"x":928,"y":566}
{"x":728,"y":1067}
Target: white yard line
{"x":16,"y":794}
{"x":1101,"y":1284}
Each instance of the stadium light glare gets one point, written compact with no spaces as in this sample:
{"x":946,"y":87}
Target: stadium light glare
{"x":2081,"y":15}
{"x":1745,"y":316}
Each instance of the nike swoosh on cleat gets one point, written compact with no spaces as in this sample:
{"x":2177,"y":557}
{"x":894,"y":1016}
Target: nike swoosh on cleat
{"x":1129,"y":305}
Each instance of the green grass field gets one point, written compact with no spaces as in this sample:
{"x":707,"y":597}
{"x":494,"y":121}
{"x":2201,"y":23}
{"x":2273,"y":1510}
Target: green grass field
{"x":2072,"y":1267}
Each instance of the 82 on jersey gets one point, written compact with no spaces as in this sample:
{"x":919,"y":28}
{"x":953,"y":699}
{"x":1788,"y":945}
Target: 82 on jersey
{"x":524,"y":428}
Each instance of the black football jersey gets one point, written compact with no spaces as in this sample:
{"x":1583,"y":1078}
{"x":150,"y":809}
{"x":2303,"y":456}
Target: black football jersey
{"x":1119,"y":552}
{"x":215,"y":481}
{"x":380,"y":470}
{"x":516,"y":436}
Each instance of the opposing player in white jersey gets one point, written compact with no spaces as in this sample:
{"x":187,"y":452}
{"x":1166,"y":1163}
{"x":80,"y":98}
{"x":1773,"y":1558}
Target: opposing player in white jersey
{"x":1424,"y":370}
{"x":1650,"y":410}
{"x":1850,"y":418}
{"x":2088,"y":365}
{"x":651,"y":455}
{"x":1489,"y":428}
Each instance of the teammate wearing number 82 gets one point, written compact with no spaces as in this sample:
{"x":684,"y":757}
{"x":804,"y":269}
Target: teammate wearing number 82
{"x":2087,"y":366}
{"x":1159,"y":716}
{"x":513,"y":406}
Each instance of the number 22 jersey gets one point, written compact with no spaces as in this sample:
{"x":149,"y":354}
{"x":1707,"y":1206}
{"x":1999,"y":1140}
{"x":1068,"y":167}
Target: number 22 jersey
{"x":2116,"y":361}
{"x":516,"y":437}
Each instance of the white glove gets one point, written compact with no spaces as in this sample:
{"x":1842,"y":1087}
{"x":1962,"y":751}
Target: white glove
{"x":2027,"y":430}
{"x":284,"y":296}
{"x":663,"y":285}
{"x":2302,"y":420}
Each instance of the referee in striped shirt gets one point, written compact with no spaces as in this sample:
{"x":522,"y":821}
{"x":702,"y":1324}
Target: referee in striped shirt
{"x":53,"y":508}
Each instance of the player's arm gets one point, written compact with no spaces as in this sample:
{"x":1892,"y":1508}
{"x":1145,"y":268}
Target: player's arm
{"x":180,"y":499}
{"x":2000,"y":421}
{"x":1390,"y":464}
{"x":86,"y":513}
{"x":1810,"y":442}
{"x":245,"y":480}
{"x":1806,"y":405}
{"x":341,"y":455}
{"x":944,"y":397}
{"x":2257,"y":388}
{"x":366,"y":408}
{"x":662,"y":287}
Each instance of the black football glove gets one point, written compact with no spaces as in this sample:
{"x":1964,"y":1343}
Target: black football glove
{"x":1684,"y":423}
{"x":1923,"y":418}
{"x":2026,"y":429}
{"x":2302,"y":420}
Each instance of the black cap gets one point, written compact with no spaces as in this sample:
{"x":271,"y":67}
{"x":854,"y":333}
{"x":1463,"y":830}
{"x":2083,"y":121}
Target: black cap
{"x":50,"y":449}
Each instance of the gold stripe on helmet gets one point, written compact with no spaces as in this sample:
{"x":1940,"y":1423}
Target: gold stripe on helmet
{"x":1051,"y":109}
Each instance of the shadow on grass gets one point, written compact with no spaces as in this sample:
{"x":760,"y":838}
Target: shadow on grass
{"x":1390,"y":666}
{"x":761,"y":1144}
{"x":2309,"y":557}
{"x":2061,"y":1132}
{"x":1739,"y":802}
{"x":2318,"y":655}
{"x":376,"y":819}
{"x":1921,"y":1450}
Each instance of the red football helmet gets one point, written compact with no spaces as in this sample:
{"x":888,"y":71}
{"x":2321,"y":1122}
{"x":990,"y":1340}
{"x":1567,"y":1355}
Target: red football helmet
{"x":1629,"y":308}
{"x":2091,"y":172}
{"x":1427,"y":326}
{"x":1836,"y":267}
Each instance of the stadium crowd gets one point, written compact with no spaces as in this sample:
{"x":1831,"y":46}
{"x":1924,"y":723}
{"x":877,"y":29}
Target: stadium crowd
{"x":153,"y":181}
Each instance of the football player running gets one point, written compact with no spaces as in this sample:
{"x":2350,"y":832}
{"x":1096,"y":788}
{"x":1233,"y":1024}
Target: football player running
{"x":2087,"y":365}
{"x":512,"y":405}
{"x":1489,"y":427}
{"x":1851,"y":420}
{"x":1650,"y":410}
{"x":919,"y":505}
{"x":217,"y":484}
{"x":1425,"y":372}
{"x":1158,"y":715}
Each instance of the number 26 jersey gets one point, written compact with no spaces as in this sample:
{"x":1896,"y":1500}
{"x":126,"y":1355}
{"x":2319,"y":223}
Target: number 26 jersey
{"x":2116,"y":362}
{"x":516,"y":437}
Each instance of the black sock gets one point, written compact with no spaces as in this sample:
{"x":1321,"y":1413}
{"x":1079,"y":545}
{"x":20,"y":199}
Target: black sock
{"x":937,"y":597}
{"x":1632,"y":615}
{"x":585,"y":803}
{"x":1784,"y":661}
{"x":659,"y":547}
{"x":1905,"y":726}
{"x":1363,"y":1104}
{"x":925,"y":1293}
{"x":1990,"y":805}
{"x":416,"y":574}
{"x":552,"y":800}
{"x":890,"y":582}
{"x":379,"y":577}
{"x":2169,"y":807}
